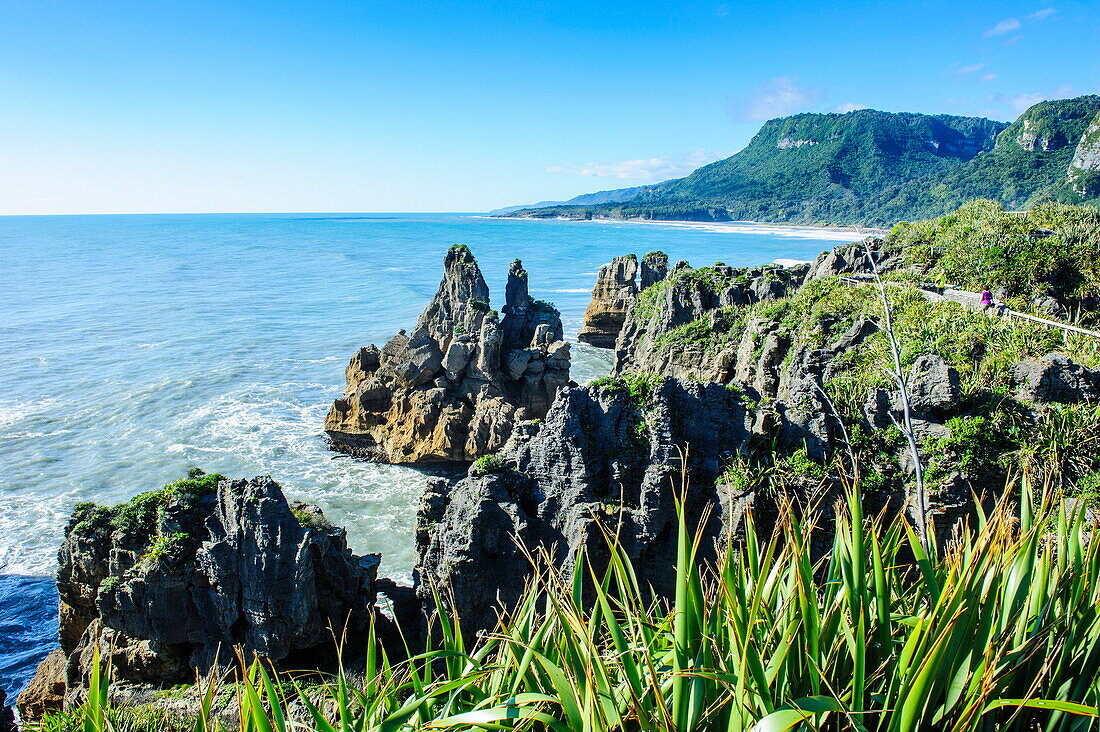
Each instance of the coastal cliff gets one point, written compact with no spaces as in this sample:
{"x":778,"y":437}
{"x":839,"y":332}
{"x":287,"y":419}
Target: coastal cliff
{"x":609,"y":459}
{"x":452,"y":389}
{"x":178,"y":580}
{"x":739,"y":397}
{"x":758,"y":388}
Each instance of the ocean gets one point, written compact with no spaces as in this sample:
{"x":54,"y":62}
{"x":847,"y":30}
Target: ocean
{"x":135,"y":347}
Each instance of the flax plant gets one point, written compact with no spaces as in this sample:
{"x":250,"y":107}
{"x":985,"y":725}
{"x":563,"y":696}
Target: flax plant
{"x":1001,"y":630}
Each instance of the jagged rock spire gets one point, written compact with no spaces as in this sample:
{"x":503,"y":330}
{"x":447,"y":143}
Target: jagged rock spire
{"x":453,"y":388}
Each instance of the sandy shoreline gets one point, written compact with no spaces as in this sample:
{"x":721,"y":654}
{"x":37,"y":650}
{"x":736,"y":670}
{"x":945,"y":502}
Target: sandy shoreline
{"x":755,"y":227}
{"x":830,"y":233}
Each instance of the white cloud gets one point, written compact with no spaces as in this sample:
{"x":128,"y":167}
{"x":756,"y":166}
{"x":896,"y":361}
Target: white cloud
{"x":1042,"y":14}
{"x":1020,"y":102}
{"x":988,"y":77}
{"x":778,"y":98}
{"x":642,"y":169}
{"x":1005,"y":26}
{"x":971,"y":69}
{"x":848,"y":107}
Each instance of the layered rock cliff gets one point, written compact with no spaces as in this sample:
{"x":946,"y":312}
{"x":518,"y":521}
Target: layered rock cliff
{"x":452,"y":389}
{"x":648,"y":342}
{"x":617,"y":286}
{"x":174,"y":581}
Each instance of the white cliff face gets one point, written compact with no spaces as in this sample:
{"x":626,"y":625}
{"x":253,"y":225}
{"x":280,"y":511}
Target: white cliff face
{"x":1084,"y":169}
{"x":788,"y":142}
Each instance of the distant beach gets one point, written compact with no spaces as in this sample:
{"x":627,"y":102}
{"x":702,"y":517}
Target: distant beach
{"x":827,"y":233}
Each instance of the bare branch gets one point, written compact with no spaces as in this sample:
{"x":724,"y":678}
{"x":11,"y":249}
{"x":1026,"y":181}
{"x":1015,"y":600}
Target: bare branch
{"x":907,"y":426}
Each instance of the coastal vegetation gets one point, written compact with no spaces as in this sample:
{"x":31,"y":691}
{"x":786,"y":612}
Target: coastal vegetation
{"x":997,"y":630}
{"x":872,"y":168}
{"x":134,"y":519}
{"x":1050,"y":250}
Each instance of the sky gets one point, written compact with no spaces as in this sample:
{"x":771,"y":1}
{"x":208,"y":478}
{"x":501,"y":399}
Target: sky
{"x":162,"y":106}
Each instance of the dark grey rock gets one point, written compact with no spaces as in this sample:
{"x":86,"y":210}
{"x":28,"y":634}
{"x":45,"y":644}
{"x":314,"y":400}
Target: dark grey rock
{"x":7,"y":715}
{"x":1049,"y":306}
{"x":851,"y":259}
{"x":933,"y":386}
{"x":240,"y":569}
{"x":1054,"y":378}
{"x":599,"y":460}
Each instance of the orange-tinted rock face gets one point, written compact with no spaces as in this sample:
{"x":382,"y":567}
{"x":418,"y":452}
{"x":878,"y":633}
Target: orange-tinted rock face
{"x":617,"y":287}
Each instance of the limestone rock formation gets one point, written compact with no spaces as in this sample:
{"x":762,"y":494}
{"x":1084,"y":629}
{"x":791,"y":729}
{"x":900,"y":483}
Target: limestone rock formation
{"x":46,"y":690}
{"x":933,"y":386}
{"x":452,"y":389}
{"x":607,"y":455}
{"x":698,"y":370}
{"x":617,"y":287}
{"x":171,"y":582}
{"x":851,"y":259}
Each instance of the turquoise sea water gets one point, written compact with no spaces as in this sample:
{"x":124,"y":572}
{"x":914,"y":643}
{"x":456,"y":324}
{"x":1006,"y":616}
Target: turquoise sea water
{"x":135,"y":347}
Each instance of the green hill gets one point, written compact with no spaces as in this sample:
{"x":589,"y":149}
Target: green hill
{"x":873,"y":168}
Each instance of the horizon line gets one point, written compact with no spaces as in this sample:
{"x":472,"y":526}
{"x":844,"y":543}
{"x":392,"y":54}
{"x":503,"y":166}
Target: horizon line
{"x":236,"y":213}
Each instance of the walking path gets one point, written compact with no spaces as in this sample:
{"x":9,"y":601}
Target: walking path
{"x":970,"y":301}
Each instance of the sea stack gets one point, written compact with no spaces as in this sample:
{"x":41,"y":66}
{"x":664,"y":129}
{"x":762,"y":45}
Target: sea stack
{"x":453,"y":388}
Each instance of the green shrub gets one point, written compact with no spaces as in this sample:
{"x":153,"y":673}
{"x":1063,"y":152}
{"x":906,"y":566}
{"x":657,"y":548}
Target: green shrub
{"x":489,"y":464}
{"x":309,"y":519}
{"x":163,"y":548}
{"x":542,"y":307}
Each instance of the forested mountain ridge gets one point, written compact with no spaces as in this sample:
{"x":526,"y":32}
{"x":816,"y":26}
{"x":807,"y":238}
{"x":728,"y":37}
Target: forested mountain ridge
{"x":874,"y":168}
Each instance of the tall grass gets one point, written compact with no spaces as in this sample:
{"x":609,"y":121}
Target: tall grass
{"x":1000,"y":630}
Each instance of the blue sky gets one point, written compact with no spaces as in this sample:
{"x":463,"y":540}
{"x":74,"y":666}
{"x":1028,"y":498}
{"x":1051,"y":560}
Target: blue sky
{"x":463,"y":106}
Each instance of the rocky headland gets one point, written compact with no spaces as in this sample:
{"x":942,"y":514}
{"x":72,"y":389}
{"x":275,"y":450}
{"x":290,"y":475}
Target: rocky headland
{"x":453,"y":388}
{"x":752,"y":387}
{"x":733,"y":390}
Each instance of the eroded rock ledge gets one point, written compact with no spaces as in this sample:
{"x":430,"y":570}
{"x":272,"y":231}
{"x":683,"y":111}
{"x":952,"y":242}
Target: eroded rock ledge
{"x":732,"y":368}
{"x":172,"y":582}
{"x":453,"y":388}
{"x":617,"y":287}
